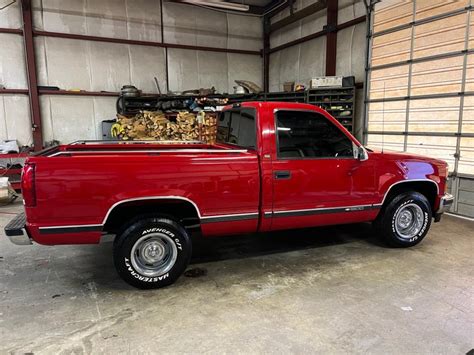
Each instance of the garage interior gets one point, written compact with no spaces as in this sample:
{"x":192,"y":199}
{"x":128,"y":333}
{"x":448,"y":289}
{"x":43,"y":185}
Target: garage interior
{"x":71,"y":70}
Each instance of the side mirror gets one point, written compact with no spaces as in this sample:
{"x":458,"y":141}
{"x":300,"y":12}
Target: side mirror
{"x":362,"y":154}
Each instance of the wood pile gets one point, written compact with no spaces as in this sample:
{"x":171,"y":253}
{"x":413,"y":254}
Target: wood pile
{"x":150,"y":125}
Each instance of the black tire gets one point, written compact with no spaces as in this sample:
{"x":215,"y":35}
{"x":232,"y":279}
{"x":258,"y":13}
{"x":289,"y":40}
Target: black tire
{"x":144,"y":237}
{"x":390,"y":228}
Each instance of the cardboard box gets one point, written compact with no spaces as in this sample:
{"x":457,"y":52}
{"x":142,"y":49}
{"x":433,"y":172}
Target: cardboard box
{"x":326,"y":81}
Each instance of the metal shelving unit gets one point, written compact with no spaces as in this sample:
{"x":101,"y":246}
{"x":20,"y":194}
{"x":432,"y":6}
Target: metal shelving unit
{"x":338,"y":101}
{"x":293,"y":96}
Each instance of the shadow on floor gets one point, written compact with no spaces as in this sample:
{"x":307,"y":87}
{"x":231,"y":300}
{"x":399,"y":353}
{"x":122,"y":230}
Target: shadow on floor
{"x":100,"y":264}
{"x":246,"y":246}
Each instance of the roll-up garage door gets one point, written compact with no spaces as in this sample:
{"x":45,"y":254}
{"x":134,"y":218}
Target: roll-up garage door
{"x":421,"y":86}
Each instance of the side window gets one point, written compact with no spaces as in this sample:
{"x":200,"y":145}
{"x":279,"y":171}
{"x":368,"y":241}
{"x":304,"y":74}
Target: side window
{"x":305,"y":134}
{"x":238,"y":127}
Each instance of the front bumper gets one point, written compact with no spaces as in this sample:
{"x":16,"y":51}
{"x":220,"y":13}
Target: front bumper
{"x":444,"y":205}
{"x":16,"y":231}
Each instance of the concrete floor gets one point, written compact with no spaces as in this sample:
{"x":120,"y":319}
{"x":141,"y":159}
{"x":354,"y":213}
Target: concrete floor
{"x":328,"y":290}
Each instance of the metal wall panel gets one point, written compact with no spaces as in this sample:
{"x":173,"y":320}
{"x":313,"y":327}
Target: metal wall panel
{"x":183,"y":69}
{"x":191,"y":25}
{"x":146,"y":63}
{"x":308,"y":25}
{"x":15,"y":119}
{"x":349,"y":10}
{"x":298,"y":63}
{"x":12,"y":62}
{"x":67,"y":63}
{"x":243,"y":67}
{"x":213,"y":70}
{"x":109,"y":66}
{"x":138,"y":19}
{"x":67,"y":118}
{"x":244,"y":32}
{"x":11,"y":16}
{"x":68,"y":16}
{"x":350,"y":57}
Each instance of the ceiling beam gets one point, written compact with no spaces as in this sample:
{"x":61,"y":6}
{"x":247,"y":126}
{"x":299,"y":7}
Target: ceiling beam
{"x":298,"y":15}
{"x":275,"y":7}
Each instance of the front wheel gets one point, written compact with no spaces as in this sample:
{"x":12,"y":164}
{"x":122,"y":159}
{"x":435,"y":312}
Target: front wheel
{"x":406,"y":219}
{"x":152,"y":252}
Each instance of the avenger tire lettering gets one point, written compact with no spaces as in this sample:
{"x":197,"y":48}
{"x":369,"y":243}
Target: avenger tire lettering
{"x":170,"y":242}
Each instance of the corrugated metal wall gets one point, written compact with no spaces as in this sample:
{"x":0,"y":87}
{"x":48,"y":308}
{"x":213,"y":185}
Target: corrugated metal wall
{"x":307,"y":60}
{"x":99,"y":66}
{"x":421,"y":97}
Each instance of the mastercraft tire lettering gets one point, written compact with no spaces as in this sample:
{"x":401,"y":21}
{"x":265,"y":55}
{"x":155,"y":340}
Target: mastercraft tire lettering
{"x":152,"y":252}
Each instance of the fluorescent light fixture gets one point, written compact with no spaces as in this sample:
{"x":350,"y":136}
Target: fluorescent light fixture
{"x":218,"y":3}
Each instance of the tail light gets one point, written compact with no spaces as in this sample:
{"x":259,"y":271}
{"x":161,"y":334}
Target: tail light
{"x":28,"y":185}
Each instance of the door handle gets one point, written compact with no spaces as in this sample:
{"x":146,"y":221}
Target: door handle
{"x":282,"y":174}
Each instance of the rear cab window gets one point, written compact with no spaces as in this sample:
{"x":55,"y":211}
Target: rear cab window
{"x":238,"y":127}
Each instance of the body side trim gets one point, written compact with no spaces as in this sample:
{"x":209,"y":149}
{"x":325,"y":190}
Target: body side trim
{"x":227,"y":217}
{"x":230,"y":217}
{"x":71,"y":229}
{"x":324,"y":210}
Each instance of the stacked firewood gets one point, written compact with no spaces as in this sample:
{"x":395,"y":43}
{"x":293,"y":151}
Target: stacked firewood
{"x":150,"y":125}
{"x":208,"y":127}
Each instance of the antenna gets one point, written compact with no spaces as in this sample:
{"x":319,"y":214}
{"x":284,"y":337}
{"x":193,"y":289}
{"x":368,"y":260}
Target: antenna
{"x":383,"y":116}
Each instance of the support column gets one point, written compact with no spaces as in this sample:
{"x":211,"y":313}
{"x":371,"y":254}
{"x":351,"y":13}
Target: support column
{"x":331,"y":37}
{"x":31,"y":73}
{"x":266,"y":54}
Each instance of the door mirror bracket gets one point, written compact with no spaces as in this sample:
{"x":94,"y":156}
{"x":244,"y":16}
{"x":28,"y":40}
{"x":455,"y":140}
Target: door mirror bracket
{"x":362,"y":154}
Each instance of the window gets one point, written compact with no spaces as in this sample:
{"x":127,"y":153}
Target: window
{"x":238,"y":127}
{"x":305,"y":134}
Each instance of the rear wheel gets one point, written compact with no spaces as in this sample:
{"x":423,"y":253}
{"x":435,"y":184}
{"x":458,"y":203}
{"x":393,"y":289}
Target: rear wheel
{"x":152,"y":252}
{"x":406,"y":219}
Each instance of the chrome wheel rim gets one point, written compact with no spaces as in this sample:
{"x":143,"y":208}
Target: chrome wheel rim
{"x":409,"y":221}
{"x":154,"y":254}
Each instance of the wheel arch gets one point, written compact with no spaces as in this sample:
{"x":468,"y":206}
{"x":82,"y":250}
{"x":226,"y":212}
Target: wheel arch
{"x":426,"y":187}
{"x":182,"y":209}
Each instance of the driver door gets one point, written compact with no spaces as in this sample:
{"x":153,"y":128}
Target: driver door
{"x":316,"y":177}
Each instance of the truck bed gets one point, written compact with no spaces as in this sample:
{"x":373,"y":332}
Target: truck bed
{"x":80,"y":184}
{"x":95,"y":148}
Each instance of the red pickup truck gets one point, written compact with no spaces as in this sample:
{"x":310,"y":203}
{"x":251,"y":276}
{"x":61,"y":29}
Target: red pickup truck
{"x":276,"y":166}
